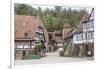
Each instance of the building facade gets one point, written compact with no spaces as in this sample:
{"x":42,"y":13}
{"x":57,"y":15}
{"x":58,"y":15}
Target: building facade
{"x":55,"y":40}
{"x":85,"y":37}
{"x":82,"y":36}
{"x":29,"y":31}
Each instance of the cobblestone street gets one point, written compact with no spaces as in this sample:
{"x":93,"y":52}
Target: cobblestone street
{"x":52,"y":57}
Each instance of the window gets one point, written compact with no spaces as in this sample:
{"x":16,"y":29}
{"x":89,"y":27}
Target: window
{"x":76,"y":38}
{"x":90,"y":35}
{"x":90,"y":24}
{"x":19,"y":46}
{"x":26,"y":46}
{"x":26,"y":34}
{"x":79,"y":37}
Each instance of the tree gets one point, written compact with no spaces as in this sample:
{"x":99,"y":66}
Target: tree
{"x":40,"y":48}
{"x":23,"y":9}
{"x":53,"y":19}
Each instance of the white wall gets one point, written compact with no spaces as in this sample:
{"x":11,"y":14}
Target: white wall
{"x":75,"y":41}
{"x":81,"y":39}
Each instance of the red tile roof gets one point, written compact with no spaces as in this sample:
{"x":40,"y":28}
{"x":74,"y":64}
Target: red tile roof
{"x":26,"y":24}
{"x":84,"y":18}
{"x":79,"y":28}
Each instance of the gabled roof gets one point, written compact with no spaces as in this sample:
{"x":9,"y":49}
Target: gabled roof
{"x":70,"y":33}
{"x":85,"y":18}
{"x":26,"y":24}
{"x":66,"y":25}
{"x":92,"y":12}
{"x":79,"y":28}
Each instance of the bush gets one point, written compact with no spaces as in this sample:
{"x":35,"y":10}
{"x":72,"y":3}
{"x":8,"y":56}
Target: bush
{"x":31,"y":57}
{"x":39,"y":48}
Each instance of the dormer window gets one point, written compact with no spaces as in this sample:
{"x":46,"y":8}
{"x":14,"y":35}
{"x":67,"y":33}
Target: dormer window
{"x":26,"y":34}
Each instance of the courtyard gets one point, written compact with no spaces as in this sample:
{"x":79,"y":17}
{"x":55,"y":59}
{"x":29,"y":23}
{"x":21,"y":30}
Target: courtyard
{"x":53,"y":57}
{"x":41,"y":34}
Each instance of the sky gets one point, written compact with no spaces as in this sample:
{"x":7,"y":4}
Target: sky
{"x":52,"y":7}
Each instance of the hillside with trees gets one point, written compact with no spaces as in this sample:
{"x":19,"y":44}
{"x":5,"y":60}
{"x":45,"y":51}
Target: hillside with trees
{"x":53,"y":19}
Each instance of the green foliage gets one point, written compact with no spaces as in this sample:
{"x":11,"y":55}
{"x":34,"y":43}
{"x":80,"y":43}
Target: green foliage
{"x":23,"y":9}
{"x":53,"y":19}
{"x":39,"y":47}
{"x":33,"y":56}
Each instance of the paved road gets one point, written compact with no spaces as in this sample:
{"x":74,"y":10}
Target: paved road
{"x":52,"y":57}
